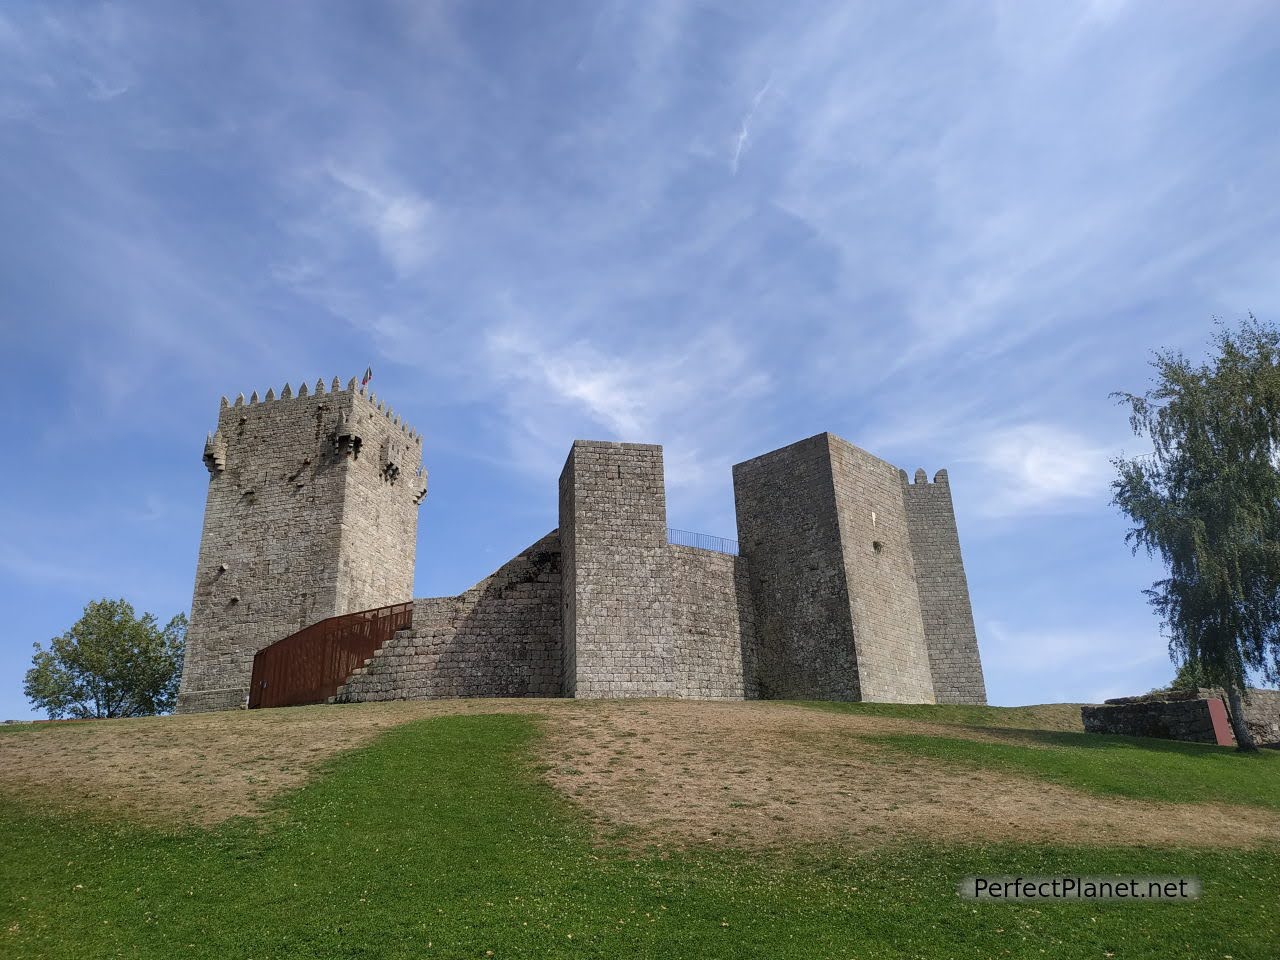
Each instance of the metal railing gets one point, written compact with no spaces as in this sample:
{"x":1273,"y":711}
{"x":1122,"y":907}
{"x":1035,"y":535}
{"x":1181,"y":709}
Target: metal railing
{"x":310,"y":665}
{"x":703,"y":541}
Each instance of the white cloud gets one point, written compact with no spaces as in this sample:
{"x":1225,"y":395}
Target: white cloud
{"x":1040,"y":467}
{"x":398,"y":218}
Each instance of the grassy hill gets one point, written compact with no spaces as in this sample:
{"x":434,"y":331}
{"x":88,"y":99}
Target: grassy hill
{"x":608,"y":829}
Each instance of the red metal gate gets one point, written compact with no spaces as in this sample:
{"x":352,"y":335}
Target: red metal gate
{"x":310,"y":665}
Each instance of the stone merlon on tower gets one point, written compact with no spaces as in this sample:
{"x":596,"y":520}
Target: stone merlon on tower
{"x":848,"y":583}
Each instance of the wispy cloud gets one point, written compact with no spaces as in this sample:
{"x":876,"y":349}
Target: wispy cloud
{"x":1042,"y":467}
{"x":744,"y":130}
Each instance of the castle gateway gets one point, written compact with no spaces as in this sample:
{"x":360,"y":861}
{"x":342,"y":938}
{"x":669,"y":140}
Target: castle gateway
{"x":848,"y":582}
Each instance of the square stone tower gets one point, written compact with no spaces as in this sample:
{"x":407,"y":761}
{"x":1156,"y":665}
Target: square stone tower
{"x":824,"y":529}
{"x":312,"y":512}
{"x":616,"y":622}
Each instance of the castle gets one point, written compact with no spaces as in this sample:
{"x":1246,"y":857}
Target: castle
{"x":848,"y":583}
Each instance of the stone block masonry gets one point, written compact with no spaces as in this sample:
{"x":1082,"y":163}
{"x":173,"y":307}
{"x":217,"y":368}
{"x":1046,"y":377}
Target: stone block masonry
{"x":499,"y":639}
{"x":943,"y":590}
{"x":848,"y":583}
{"x":1184,"y":715}
{"x":618,"y":639}
{"x":789,"y":528}
{"x":311,"y":512}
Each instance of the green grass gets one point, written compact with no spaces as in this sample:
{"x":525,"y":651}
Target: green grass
{"x":1040,"y":716}
{"x":439,"y":841}
{"x":1137,"y":767}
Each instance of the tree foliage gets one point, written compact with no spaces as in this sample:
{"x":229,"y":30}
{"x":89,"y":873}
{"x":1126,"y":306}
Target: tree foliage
{"x":1206,"y":501}
{"x":111,"y":663}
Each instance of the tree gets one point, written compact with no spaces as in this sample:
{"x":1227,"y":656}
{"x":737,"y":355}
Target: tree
{"x":109,"y":664}
{"x":1190,"y":676}
{"x":1206,"y":501}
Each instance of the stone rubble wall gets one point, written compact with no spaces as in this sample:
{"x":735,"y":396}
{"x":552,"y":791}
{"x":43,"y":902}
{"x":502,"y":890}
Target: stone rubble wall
{"x":501,"y":638}
{"x":1167,"y":719}
{"x":714,"y":623}
{"x":944,"y":591}
{"x":1183,"y":715}
{"x":1262,"y":716}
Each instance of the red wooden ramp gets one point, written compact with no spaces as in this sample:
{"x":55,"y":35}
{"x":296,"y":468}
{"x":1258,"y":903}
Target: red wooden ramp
{"x":310,"y":665}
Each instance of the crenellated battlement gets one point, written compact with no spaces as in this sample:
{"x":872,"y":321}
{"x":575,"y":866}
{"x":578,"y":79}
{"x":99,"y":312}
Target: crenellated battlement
{"x":353,"y":389}
{"x":921,"y":478}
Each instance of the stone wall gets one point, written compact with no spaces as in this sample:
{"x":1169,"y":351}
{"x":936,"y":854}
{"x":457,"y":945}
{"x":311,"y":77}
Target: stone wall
{"x":789,"y":532}
{"x":944,"y":590}
{"x":1262,"y":716}
{"x":617,"y":601}
{"x":499,"y":639}
{"x":1180,"y":714}
{"x":888,"y":631}
{"x":714,"y":625}
{"x":1169,"y":719}
{"x":296,"y":528}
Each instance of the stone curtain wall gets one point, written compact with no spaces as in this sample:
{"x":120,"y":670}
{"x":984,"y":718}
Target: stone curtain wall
{"x":789,"y":533}
{"x":613,"y":521}
{"x":944,"y":590}
{"x":888,"y":631}
{"x":714,"y":625}
{"x":278,"y":551}
{"x":499,"y":639}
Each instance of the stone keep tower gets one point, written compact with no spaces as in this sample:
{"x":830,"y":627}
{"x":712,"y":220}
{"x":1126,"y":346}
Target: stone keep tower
{"x":859,"y":589}
{"x":312,"y":512}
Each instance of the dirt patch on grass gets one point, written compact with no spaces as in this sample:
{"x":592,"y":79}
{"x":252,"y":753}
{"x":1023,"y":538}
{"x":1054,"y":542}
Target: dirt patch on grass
{"x":197,"y":768}
{"x":667,"y":773}
{"x":764,"y":775}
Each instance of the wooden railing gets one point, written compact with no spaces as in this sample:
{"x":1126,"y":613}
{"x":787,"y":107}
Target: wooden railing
{"x":310,"y":665}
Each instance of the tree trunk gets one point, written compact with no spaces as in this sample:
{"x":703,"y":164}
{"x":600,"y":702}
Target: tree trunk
{"x":1244,"y":740}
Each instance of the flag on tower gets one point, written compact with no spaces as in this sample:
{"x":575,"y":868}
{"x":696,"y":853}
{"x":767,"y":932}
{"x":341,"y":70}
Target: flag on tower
{"x":368,"y":375}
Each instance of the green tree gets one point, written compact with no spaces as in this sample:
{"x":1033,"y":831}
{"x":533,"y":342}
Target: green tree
{"x":1206,"y":501}
{"x":109,"y":664}
{"x":1189,"y":677}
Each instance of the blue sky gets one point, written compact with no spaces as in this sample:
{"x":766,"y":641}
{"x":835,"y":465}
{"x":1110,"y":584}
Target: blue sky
{"x":945,"y":232}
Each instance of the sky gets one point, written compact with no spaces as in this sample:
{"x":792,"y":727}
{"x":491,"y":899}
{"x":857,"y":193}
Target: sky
{"x":945,"y":232}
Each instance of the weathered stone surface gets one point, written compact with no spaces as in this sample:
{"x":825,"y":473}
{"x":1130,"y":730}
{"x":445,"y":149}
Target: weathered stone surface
{"x":296,"y":529}
{"x":1183,"y":715}
{"x":714,"y":625}
{"x":832,"y":540}
{"x":1167,"y":719}
{"x":789,"y":530}
{"x":850,"y":584}
{"x":499,"y":639}
{"x":618,"y":637}
{"x":944,"y":591}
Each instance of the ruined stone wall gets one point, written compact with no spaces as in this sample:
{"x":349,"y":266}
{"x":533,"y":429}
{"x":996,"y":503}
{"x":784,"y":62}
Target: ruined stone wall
{"x":888,"y":631}
{"x":617,"y":601}
{"x":1183,"y":715}
{"x":499,"y":639}
{"x":1181,"y":719}
{"x":279,"y":549}
{"x":1262,"y":716}
{"x":714,"y":624}
{"x":789,"y":532}
{"x":943,"y":590}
